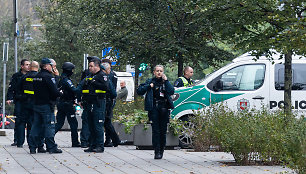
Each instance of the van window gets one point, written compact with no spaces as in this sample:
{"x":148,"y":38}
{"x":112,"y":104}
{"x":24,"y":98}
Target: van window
{"x":245,"y":77}
{"x":298,"y":77}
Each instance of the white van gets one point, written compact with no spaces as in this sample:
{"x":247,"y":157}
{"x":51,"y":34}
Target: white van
{"x":243,"y":84}
{"x":129,"y":80}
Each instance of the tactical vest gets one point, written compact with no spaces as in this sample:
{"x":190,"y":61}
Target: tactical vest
{"x":185,"y":82}
{"x":89,"y":92}
{"x":27,"y":88}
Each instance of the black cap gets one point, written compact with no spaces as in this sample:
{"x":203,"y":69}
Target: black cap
{"x":93,"y":58}
{"x":68,"y":66}
{"x":45,"y":61}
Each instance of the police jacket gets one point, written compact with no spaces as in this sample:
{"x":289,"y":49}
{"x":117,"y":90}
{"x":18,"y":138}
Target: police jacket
{"x":183,"y":82}
{"x":145,"y":88}
{"x":27,"y":88}
{"x":66,"y":86}
{"x":13,"y":91}
{"x":95,"y":86}
{"x":45,"y":89}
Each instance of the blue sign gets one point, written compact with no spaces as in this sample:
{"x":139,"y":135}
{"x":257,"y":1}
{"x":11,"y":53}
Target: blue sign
{"x":106,"y":51}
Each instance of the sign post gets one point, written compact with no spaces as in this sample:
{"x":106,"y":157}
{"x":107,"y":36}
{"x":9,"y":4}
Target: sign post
{"x":5,"y":58}
{"x":85,"y":62}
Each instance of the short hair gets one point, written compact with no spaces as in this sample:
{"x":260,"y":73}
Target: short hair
{"x":106,"y":65}
{"x":23,"y":61}
{"x":107,"y":61}
{"x":186,"y":69}
{"x":161,"y":66}
{"x":34,"y":64}
{"x":96,"y":62}
{"x":42,"y":66}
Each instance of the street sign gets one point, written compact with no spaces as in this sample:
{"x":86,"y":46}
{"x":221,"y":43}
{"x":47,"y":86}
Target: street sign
{"x":5,"y":51}
{"x":106,"y":52}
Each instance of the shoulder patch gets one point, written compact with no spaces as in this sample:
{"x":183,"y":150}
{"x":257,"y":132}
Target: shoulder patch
{"x":53,"y":80}
{"x":105,"y":78}
{"x":176,"y":83}
{"x":70,"y":83}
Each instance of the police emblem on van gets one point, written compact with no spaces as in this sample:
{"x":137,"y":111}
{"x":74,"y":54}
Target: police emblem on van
{"x":243,"y":104}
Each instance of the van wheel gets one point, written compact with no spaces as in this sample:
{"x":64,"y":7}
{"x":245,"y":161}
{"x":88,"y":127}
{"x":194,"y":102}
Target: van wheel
{"x":185,"y":137}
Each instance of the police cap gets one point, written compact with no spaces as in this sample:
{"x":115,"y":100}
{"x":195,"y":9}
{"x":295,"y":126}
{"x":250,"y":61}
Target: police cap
{"x":45,"y":61}
{"x":93,"y":58}
{"x":68,"y":66}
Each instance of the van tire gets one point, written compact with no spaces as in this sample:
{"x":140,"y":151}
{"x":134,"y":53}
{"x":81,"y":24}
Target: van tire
{"x":185,"y":138}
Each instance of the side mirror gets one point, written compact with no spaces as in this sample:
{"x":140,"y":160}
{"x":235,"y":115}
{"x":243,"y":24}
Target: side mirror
{"x":218,"y":85}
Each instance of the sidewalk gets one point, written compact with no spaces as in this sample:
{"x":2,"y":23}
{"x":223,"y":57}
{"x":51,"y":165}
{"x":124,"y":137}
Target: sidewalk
{"x":122,"y":159}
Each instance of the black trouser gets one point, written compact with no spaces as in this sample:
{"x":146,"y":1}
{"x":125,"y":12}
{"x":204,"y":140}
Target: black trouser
{"x":110,"y":132}
{"x":66,"y":109}
{"x":159,"y":116}
{"x":17,"y":113}
{"x":25,"y":121}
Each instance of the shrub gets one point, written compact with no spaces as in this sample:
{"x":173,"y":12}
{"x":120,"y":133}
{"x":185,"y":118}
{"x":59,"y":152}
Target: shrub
{"x":252,"y":135}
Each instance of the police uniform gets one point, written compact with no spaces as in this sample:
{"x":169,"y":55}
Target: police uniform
{"x":183,"y":82}
{"x":84,"y":135}
{"x":65,"y":105}
{"x":14,"y":93}
{"x":27,"y":102}
{"x":94,"y":89}
{"x":110,"y":133}
{"x":45,"y":95}
{"x":158,"y":101}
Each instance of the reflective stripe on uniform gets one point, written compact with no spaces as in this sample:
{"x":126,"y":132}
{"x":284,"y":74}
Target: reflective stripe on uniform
{"x":100,"y":91}
{"x":88,"y":79}
{"x":28,"y":92}
{"x":185,"y":82}
{"x":85,"y":91}
{"x":29,"y":79}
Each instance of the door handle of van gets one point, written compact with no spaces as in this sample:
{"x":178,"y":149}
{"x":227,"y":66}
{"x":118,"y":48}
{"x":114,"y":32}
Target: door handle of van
{"x":258,"y":98}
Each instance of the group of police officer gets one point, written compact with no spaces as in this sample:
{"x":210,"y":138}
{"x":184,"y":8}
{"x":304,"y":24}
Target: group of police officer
{"x":35,"y":95}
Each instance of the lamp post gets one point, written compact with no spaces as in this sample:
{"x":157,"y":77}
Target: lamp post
{"x":16,"y":32}
{"x":5,"y":58}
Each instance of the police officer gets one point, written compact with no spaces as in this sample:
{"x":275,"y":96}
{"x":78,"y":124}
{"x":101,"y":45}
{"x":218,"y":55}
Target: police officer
{"x":110,"y":132}
{"x":84,"y":135}
{"x":158,"y":101}
{"x":94,"y":89}
{"x":66,"y":102}
{"x":27,"y":102}
{"x":185,"y":81}
{"x":45,"y":95}
{"x":14,"y":95}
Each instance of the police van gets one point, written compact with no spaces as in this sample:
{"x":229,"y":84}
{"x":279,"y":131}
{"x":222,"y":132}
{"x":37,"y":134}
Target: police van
{"x":243,"y":84}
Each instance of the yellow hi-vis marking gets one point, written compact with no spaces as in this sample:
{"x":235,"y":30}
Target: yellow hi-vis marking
{"x":28,"y":92}
{"x":85,"y":91}
{"x":100,"y":91}
{"x":88,"y":79}
{"x":29,"y":79}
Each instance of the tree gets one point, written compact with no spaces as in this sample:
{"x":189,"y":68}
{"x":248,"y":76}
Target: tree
{"x":260,"y":26}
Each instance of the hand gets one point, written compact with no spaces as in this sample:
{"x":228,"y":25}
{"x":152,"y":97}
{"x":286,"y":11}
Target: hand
{"x":164,"y":77}
{"x":152,"y":85}
{"x":80,"y":104}
{"x":55,"y":71}
{"x":9,"y":102}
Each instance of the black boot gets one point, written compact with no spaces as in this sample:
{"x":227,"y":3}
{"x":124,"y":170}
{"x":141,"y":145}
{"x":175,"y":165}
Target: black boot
{"x":162,"y":152}
{"x":157,"y":154}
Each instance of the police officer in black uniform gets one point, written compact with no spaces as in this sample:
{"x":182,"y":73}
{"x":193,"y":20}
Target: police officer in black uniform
{"x":158,"y":101}
{"x":14,"y":95}
{"x":110,"y":133}
{"x":45,"y":95}
{"x":94,"y":89}
{"x":27,"y":102}
{"x":66,"y":104}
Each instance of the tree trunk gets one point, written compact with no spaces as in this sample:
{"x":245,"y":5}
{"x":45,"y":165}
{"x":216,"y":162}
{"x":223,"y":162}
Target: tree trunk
{"x":180,"y":64}
{"x":136,"y":79}
{"x":288,"y":83}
